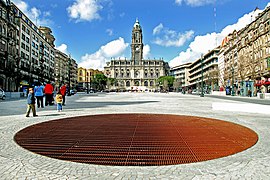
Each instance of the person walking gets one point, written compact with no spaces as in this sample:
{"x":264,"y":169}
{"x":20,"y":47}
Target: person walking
{"x":48,"y":90}
{"x":39,"y":93}
{"x":249,"y":93}
{"x":63,"y":91}
{"x":31,"y":103}
{"x":59,"y":101}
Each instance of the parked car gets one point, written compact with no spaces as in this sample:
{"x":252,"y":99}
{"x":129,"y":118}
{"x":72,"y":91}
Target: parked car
{"x":72,"y":92}
{"x":91,"y":91}
{"x":2,"y":94}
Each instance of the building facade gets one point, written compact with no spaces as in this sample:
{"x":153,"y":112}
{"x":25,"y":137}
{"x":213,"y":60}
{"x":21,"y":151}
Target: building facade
{"x":27,"y":51}
{"x":247,"y":56}
{"x":85,"y":78}
{"x":36,"y":51}
{"x":136,"y":73}
{"x":181,"y":74}
{"x":8,"y":47}
{"x":65,"y":70}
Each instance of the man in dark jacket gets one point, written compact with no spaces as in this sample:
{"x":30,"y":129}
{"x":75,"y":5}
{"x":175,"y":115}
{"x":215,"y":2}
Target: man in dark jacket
{"x":31,"y":103}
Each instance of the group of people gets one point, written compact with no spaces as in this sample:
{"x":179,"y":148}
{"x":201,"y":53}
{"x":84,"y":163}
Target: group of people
{"x":39,"y":91}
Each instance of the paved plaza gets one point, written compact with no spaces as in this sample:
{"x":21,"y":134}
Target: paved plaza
{"x":253,"y":163}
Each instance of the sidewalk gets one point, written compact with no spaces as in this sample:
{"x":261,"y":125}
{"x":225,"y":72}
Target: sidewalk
{"x":254,"y":100}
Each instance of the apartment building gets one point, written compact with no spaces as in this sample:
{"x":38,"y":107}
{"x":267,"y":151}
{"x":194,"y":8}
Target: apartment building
{"x":36,"y":50}
{"x":8,"y":46}
{"x":86,"y":77}
{"x":73,"y":74}
{"x":247,"y":56}
{"x":205,"y":70}
{"x":181,"y":74}
{"x":65,"y":70}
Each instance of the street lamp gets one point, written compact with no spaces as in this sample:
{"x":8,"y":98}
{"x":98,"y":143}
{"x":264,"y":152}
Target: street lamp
{"x":202,"y":94}
{"x":69,"y":73}
{"x":86,"y":78}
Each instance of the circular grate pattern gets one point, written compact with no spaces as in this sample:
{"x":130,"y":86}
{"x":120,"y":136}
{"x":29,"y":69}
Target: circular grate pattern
{"x":136,"y":139}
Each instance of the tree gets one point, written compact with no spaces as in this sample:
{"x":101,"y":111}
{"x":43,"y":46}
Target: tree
{"x":166,"y":81}
{"x":212,"y":79}
{"x":110,"y":82}
{"x":99,"y":82}
{"x":177,"y":84}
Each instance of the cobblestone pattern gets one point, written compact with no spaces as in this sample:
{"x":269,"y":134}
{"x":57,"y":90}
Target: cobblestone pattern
{"x":18,"y":163}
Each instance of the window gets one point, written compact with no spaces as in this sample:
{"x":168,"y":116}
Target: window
{"x":23,"y":27}
{"x":145,"y":83}
{"x":127,"y":83}
{"x":23,"y":37}
{"x":23,"y":45}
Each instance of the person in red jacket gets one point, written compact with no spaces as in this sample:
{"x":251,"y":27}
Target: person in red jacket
{"x":63,"y":91}
{"x":48,"y":90}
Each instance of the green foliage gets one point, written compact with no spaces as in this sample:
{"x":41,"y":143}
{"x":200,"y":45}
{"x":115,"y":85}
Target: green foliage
{"x":111,"y":81}
{"x":99,"y":82}
{"x":167,"y":80}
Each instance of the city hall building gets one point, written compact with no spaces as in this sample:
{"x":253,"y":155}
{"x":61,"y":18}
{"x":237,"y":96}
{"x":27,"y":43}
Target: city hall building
{"x":136,"y":73}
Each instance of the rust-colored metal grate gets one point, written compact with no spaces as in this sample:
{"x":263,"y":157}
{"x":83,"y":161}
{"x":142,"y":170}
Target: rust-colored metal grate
{"x":136,"y":139}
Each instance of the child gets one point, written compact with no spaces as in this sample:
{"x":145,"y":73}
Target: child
{"x":59,"y":100}
{"x":31,"y":103}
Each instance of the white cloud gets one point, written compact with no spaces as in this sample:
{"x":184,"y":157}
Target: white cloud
{"x":109,"y":31}
{"x":195,"y":2}
{"x":204,"y":43}
{"x":62,"y":48}
{"x":167,"y":37}
{"x":34,"y":14}
{"x":84,"y":10}
{"x":157,"y":29}
{"x":146,"y":51}
{"x":98,"y":59}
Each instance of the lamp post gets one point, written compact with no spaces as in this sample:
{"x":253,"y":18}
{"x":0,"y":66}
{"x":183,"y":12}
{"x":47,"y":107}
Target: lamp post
{"x":202,"y":94}
{"x":69,"y":73}
{"x":233,"y":93}
{"x":87,"y":76}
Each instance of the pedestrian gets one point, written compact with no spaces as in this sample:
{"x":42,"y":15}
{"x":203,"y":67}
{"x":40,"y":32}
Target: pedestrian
{"x":63,"y":91}
{"x":249,"y":93}
{"x":39,"y":93}
{"x":48,"y":90}
{"x":31,"y":103}
{"x":59,"y":101}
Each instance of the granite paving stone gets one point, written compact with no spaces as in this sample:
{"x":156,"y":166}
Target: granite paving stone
{"x":19,"y":163}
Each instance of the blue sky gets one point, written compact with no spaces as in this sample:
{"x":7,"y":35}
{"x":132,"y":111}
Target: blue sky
{"x":93,"y":31}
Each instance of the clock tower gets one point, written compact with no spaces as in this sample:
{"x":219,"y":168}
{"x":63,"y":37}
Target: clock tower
{"x":137,"y":44}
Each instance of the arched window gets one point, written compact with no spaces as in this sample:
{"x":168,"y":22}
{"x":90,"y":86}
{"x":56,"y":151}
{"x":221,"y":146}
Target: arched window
{"x":137,"y":83}
{"x":145,"y":83}
{"x":137,"y":74}
{"x":151,"y":83}
{"x":81,"y":73}
{"x":127,"y":83}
